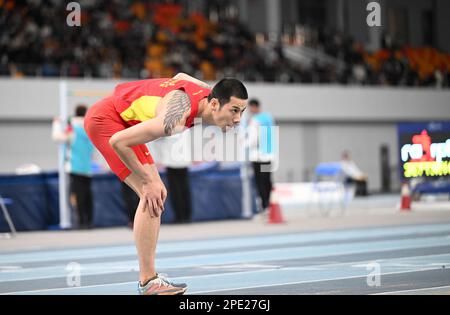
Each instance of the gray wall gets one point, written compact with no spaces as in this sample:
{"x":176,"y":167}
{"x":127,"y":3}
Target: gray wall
{"x":364,"y":141}
{"x":38,"y":99}
{"x":303,"y":145}
{"x":316,"y":122}
{"x":24,"y":142}
{"x":345,"y":103}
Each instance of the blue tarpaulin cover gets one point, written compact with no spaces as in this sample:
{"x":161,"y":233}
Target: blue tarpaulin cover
{"x":216,"y":194}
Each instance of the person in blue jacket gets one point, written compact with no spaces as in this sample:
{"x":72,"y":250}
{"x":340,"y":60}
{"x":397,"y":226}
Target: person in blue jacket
{"x":261,"y":150}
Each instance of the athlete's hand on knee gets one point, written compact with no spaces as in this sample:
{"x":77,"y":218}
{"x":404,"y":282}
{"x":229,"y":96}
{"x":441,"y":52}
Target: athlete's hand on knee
{"x":163,"y":196}
{"x":154,"y":194}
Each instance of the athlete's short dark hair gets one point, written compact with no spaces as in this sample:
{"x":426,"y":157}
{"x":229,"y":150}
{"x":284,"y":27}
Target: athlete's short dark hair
{"x":226,"y":88}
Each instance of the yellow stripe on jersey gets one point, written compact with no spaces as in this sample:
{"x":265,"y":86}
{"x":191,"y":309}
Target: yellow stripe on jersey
{"x":142,"y":109}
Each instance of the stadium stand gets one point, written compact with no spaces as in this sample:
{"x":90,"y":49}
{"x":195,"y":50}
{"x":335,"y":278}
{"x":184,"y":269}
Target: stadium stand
{"x":135,"y":39}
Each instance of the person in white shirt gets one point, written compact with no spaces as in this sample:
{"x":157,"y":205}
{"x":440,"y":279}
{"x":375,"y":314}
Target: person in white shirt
{"x":353,"y":175}
{"x":174,"y":153}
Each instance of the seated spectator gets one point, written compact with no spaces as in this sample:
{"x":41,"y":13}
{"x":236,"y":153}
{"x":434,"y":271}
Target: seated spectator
{"x":353,"y":175}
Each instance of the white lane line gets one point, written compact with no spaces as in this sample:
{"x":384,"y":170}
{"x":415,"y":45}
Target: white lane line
{"x":211,"y":291}
{"x":228,"y":258}
{"x":414,"y":290}
{"x":224,"y":243}
{"x":266,"y":275}
{"x":304,"y":282}
{"x":70,"y":288}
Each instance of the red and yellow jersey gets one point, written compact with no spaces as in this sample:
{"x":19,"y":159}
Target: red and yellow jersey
{"x":136,"y":101}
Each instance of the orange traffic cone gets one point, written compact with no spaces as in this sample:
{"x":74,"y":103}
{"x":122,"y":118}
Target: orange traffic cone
{"x":405,"y":197}
{"x":275,"y":216}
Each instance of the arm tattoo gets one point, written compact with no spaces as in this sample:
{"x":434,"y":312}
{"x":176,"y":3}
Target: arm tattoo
{"x":177,"y":106}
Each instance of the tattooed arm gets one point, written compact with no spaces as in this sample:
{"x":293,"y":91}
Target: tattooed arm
{"x":174,"y":110}
{"x":184,"y":76}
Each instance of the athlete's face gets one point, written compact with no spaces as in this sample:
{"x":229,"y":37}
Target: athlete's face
{"x":229,"y":115}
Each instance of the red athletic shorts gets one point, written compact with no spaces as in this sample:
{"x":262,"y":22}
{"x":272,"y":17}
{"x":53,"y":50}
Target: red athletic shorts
{"x":100,"y":123}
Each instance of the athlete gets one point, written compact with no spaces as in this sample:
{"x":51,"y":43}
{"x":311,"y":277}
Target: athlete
{"x":138,"y":112}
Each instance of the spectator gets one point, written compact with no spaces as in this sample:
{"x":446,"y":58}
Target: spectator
{"x":174,"y":153}
{"x":78,"y":164}
{"x":260,"y":143}
{"x":353,"y":175}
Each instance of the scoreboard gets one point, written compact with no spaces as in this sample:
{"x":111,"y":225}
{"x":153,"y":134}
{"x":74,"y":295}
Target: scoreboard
{"x":424,"y":149}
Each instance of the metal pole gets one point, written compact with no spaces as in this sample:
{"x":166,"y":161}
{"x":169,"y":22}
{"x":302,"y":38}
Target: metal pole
{"x":246,"y":201}
{"x":64,"y":213}
{"x":246,"y":191}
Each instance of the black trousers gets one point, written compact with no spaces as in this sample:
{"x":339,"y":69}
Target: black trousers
{"x":80,"y":188}
{"x":179,"y":193}
{"x":263,"y":181}
{"x":131,"y":201}
{"x":361,"y":186}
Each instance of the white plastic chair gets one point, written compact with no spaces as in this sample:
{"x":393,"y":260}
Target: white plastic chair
{"x":329,"y":188}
